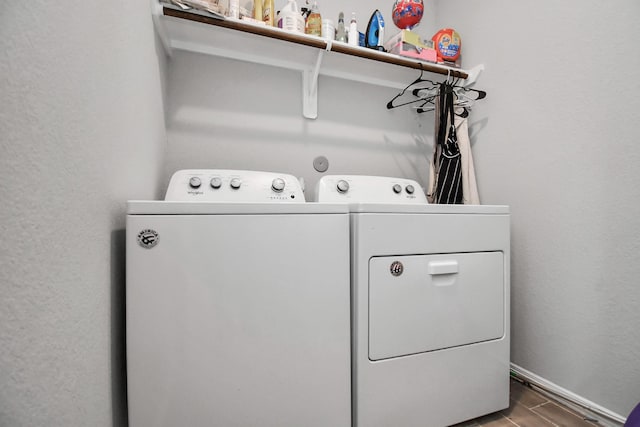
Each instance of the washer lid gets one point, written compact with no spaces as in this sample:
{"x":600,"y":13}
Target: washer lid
{"x":163,"y":207}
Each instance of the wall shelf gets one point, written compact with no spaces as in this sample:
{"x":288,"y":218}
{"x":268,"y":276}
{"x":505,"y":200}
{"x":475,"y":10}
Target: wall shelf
{"x":313,"y":56}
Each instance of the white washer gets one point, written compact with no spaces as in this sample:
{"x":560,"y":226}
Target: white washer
{"x":237,"y":305}
{"x":430,"y":304}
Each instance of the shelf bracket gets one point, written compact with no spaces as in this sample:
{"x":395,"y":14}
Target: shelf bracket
{"x":473,"y":75}
{"x":310,"y":89}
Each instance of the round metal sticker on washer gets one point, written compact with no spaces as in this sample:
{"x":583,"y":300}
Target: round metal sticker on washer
{"x":148,"y":238}
{"x":396,"y":268}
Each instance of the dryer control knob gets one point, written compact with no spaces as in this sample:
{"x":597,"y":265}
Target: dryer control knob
{"x":397,"y":188}
{"x":235,"y":183}
{"x":194,"y":182}
{"x":409,"y":189}
{"x":216,"y":183}
{"x":342,"y":186}
{"x":277,"y":185}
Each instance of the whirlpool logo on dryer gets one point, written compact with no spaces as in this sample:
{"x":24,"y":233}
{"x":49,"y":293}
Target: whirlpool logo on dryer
{"x":396,"y":268}
{"x":148,"y":238}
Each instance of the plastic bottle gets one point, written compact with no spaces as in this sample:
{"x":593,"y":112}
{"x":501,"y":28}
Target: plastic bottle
{"x":328,"y":29}
{"x":268,"y":12}
{"x":341,"y":33}
{"x":234,"y":9}
{"x":354,"y":37}
{"x":314,"y":21}
{"x":290,"y":18}
{"x":257,"y":10}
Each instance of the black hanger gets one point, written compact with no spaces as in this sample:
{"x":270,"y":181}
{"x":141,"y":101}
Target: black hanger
{"x":413,"y":101}
{"x":446,"y":86}
{"x":443,"y":89}
{"x":416,"y":81}
{"x":429,"y":100}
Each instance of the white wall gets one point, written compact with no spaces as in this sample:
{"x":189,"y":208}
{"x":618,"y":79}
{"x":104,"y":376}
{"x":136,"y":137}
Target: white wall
{"x":81,"y":131}
{"x":213,"y":124}
{"x":230,"y":114}
{"x":558,"y":142}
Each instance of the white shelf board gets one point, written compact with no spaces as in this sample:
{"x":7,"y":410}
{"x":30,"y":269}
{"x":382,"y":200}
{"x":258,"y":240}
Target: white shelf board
{"x":310,"y":55}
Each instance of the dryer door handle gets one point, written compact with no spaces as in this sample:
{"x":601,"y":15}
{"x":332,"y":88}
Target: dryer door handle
{"x":442,"y":267}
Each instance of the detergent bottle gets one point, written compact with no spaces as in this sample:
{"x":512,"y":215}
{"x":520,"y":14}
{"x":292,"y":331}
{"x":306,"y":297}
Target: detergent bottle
{"x":290,"y":18}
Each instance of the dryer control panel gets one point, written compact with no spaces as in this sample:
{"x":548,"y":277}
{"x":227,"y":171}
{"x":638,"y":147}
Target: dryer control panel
{"x":369,"y":189}
{"x":222,"y":185}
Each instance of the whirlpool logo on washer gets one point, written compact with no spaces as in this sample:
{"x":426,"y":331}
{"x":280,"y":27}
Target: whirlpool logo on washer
{"x":148,"y":238}
{"x":396,"y":268}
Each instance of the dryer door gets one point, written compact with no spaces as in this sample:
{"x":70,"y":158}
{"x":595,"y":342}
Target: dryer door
{"x":422,"y":303}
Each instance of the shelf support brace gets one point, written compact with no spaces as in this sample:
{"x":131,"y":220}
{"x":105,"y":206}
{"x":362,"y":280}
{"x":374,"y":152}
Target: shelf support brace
{"x":473,"y":75}
{"x":310,"y":89}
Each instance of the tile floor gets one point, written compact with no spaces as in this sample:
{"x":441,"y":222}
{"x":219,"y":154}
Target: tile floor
{"x":528,"y":408}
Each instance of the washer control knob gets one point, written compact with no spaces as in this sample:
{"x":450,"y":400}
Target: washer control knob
{"x":409,"y":189}
{"x":216,"y":182}
{"x":277,"y":185}
{"x":342,"y":186}
{"x":397,"y":189}
{"x":235,"y":183}
{"x":195,"y":182}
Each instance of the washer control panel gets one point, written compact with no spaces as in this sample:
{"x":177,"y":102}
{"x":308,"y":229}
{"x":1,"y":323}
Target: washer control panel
{"x":222,"y":185}
{"x":369,"y":189}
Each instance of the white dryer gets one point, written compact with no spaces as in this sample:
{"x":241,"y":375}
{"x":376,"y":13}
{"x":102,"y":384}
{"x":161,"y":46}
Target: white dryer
{"x":430,"y":304}
{"x":237,"y":305}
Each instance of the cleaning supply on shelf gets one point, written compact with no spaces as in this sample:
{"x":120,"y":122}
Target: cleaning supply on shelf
{"x":341,"y":33}
{"x":328,"y":29}
{"x":268,"y":11}
{"x":257,"y":10}
{"x":314,"y":21}
{"x":290,"y":18}
{"x":354,"y":36}
{"x":447,"y":43}
{"x":234,"y":9}
{"x":411,"y":44}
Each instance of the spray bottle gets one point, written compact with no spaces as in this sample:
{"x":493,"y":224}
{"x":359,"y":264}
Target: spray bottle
{"x":314,"y":21}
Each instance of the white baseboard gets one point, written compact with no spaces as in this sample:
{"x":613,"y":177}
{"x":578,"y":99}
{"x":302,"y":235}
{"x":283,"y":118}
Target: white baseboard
{"x":565,"y":394}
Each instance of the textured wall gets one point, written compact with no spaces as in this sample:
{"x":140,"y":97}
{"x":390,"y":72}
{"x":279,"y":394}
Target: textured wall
{"x":559,"y":143}
{"x":225,"y":115}
{"x":81,"y":131}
